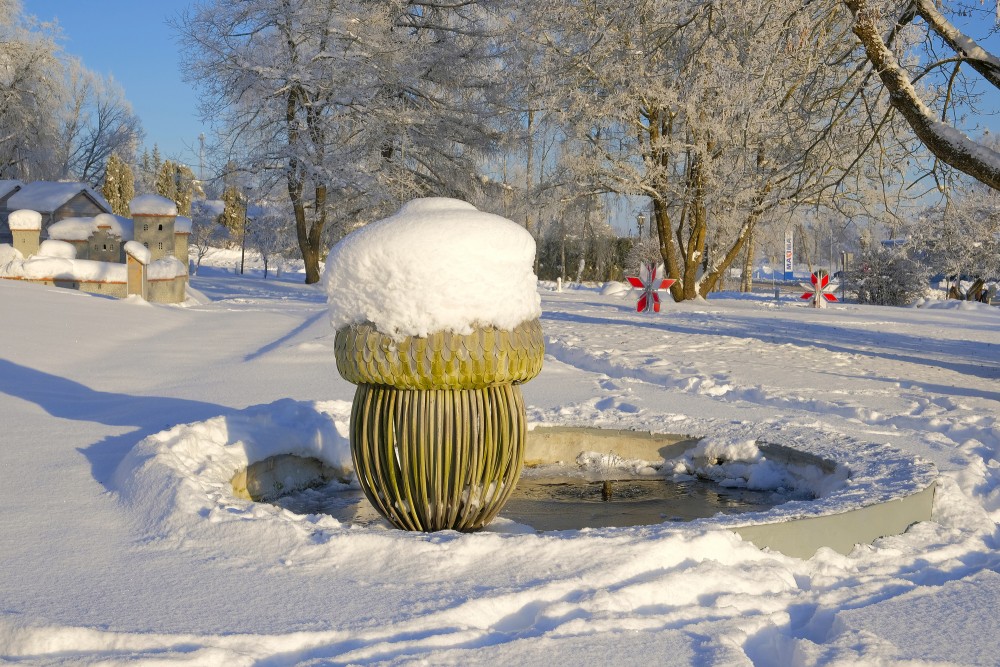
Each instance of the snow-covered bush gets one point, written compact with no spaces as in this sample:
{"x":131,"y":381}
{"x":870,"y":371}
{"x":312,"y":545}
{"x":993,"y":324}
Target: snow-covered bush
{"x":888,"y":276}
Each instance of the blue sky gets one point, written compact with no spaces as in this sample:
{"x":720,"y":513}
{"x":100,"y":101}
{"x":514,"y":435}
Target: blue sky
{"x":130,"y":40}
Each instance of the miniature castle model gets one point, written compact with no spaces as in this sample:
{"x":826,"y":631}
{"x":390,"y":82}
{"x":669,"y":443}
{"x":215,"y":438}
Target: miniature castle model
{"x":106,"y":254}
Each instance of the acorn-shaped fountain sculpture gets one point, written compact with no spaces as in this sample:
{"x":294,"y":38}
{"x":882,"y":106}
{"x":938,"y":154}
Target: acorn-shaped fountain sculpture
{"x":436,"y":312}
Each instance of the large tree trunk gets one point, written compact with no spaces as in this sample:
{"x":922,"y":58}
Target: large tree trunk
{"x":947,"y":143}
{"x":714,"y":276}
{"x":668,"y":247}
{"x":309,"y":237}
{"x":308,"y":233}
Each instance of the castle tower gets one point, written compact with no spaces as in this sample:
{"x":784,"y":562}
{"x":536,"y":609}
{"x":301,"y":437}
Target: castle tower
{"x":154,"y":218}
{"x":26,"y":228}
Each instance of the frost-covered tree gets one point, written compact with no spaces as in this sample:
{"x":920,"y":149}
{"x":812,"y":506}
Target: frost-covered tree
{"x":720,"y":114}
{"x":267,"y":233}
{"x":578,"y":243}
{"x":177,"y":183}
{"x":166,"y":180}
{"x":151,"y":171}
{"x":234,"y":212}
{"x":145,"y":177}
{"x":96,"y":122}
{"x":119,"y":185}
{"x":185,"y":186}
{"x":886,"y":275}
{"x":961,"y":239}
{"x":31,"y":93}
{"x":645,"y":250}
{"x":57,"y":119}
{"x":353,"y":106}
{"x":207,"y":231}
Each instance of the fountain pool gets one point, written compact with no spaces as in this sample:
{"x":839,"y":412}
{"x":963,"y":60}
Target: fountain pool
{"x":821,"y":494}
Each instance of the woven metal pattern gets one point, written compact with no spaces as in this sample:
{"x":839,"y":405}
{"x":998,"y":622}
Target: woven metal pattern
{"x":443,"y":360}
{"x":438,"y":459}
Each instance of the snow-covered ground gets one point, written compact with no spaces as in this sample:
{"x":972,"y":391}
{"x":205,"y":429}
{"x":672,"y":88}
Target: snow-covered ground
{"x":118,"y":544}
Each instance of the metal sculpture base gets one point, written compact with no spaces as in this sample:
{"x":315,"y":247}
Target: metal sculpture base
{"x":438,"y":459}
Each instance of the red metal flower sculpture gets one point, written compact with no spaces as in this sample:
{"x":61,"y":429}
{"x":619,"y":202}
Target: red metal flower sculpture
{"x":649,"y":300}
{"x":820,"y":291}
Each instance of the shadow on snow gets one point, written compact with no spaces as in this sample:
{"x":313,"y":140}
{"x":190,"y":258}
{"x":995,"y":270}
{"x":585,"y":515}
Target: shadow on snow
{"x":67,"y":399}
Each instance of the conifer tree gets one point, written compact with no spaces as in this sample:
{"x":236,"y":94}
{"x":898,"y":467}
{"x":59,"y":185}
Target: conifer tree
{"x":234,"y":213}
{"x":119,"y":185}
{"x":184,"y":189}
{"x":144,"y":179}
{"x":166,"y":180}
{"x":110,"y":187}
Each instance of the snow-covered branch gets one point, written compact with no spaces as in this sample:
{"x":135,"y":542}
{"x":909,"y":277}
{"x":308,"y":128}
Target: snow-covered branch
{"x":945,"y":141}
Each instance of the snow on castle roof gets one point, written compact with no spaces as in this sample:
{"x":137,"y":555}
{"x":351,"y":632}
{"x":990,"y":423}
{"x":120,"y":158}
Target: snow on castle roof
{"x":80,"y":229}
{"x":166,"y":268}
{"x":56,"y":249}
{"x":40,"y":267}
{"x":71,"y":229}
{"x":139,"y":252}
{"x":58,"y":264}
{"x":152,"y":205}
{"x":115,"y":224}
{"x":182,"y":225}
{"x":24,"y":219}
{"x":47,"y":196}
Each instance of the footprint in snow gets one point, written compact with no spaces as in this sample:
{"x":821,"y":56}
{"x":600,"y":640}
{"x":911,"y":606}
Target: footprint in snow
{"x":613,"y":404}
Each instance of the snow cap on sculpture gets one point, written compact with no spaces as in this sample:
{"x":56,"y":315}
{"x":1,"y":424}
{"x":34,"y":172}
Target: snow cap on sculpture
{"x":437,"y":264}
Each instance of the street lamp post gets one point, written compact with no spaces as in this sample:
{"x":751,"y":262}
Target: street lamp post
{"x":832,"y":265}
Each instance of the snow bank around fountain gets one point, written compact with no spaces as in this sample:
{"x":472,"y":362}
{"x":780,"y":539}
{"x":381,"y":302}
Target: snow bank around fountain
{"x":180,"y":478}
{"x":183,"y":475}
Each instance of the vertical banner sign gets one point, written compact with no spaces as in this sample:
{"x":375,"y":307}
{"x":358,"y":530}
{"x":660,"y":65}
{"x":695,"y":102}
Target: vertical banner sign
{"x":789,"y":270}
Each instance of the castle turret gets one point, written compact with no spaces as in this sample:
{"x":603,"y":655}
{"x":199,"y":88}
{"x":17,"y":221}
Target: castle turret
{"x":154,"y":218}
{"x":26,"y":228}
{"x":182,"y":232}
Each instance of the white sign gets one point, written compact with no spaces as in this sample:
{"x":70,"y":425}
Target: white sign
{"x":789,"y":269}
